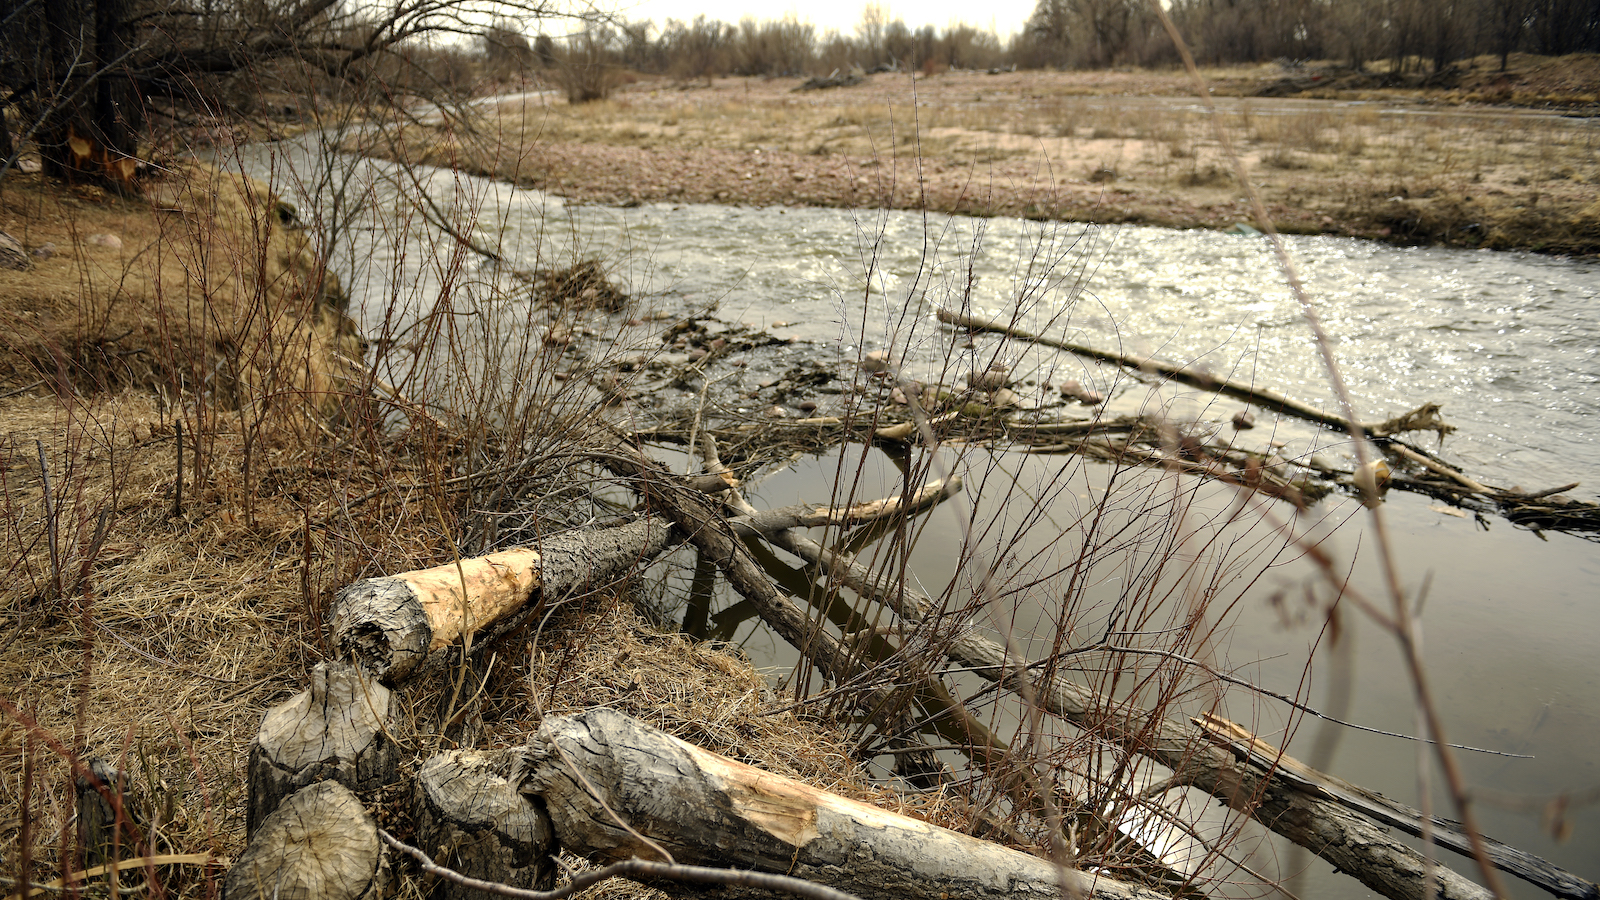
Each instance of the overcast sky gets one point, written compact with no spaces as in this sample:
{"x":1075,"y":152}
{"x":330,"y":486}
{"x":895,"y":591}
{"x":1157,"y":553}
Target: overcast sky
{"x":1004,"y":17}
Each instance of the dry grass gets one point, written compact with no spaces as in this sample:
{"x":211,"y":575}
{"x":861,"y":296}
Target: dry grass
{"x":152,"y":624}
{"x":1024,"y":144}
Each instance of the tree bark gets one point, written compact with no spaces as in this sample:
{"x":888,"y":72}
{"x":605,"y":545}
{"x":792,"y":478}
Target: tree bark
{"x":337,"y":729}
{"x":319,"y":845}
{"x":472,"y":819}
{"x":389,"y":626}
{"x":595,"y":768}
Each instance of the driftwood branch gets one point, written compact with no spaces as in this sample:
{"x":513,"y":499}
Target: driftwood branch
{"x":813,"y":515}
{"x":597,"y":767}
{"x":1262,"y":397}
{"x":389,"y":626}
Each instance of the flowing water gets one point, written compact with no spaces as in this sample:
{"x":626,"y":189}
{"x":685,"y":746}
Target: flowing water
{"x":1508,"y":343}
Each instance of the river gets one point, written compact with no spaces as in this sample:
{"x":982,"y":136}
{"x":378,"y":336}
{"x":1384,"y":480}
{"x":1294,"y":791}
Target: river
{"x":1508,"y":343}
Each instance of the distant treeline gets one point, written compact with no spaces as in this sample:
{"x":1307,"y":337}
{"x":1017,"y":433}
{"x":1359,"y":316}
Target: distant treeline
{"x":1412,"y":34}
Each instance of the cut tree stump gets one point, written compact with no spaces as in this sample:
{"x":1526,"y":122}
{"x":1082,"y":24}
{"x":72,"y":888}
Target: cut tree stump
{"x":389,"y":626}
{"x":601,"y":766}
{"x":337,"y":729}
{"x":319,"y":845}
{"x":472,"y":819}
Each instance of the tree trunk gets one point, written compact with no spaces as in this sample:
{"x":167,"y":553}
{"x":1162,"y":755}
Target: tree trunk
{"x":601,"y":766}
{"x":472,"y":819}
{"x":319,"y":845}
{"x":337,"y":729}
{"x":389,"y":626}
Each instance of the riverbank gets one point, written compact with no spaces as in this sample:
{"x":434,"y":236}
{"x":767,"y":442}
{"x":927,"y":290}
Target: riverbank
{"x":190,"y":467}
{"x":1417,"y":163}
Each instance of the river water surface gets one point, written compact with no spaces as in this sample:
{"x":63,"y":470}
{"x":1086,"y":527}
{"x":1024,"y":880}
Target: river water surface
{"x":1508,"y":343}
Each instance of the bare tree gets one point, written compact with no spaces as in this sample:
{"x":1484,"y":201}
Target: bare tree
{"x":79,"y":72}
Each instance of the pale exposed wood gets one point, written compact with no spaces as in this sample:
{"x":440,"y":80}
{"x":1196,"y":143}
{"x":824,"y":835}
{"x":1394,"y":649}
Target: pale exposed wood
{"x":389,"y":626}
{"x":707,"y":809}
{"x":336,"y":729}
{"x":472,"y":819}
{"x":319,"y":845}
{"x":810,"y":515}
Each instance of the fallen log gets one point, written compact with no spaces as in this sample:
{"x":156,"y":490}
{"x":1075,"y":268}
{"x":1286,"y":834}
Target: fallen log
{"x":319,"y":845}
{"x":1375,"y":806}
{"x":698,"y":517}
{"x":1343,"y":837}
{"x":390,"y":625}
{"x":339,"y":728}
{"x":608,"y":780}
{"x":472,"y":819}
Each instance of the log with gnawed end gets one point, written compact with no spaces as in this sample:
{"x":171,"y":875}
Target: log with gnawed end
{"x":336,"y":729}
{"x":319,"y":845}
{"x":389,"y":626}
{"x":601,"y":766}
{"x":471,"y":818}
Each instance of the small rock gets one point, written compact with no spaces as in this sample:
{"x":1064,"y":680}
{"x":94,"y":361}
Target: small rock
{"x":765,"y":383}
{"x":777,"y":412}
{"x":807,"y":406}
{"x":1005,"y":397}
{"x":698,"y":354}
{"x":875,"y":362}
{"x":897,"y":396}
{"x":719,"y":343}
{"x":109,"y":241}
{"x":1073,"y":390}
{"x":1243,"y":419}
{"x":44,"y":251}
{"x":991,"y":379}
{"x":12,"y":254}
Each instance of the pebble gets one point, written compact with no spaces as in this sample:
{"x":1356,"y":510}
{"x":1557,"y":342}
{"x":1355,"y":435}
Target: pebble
{"x":109,"y":241}
{"x":12,"y":254}
{"x":875,"y":362}
{"x":44,"y":251}
{"x":807,"y":406}
{"x":778,"y":412}
{"x":1243,"y":419}
{"x":993,"y":378}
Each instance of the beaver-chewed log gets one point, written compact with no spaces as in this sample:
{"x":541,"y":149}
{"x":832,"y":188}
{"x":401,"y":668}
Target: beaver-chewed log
{"x":388,"y":626}
{"x":319,"y":845}
{"x":339,"y":728}
{"x":472,"y":819}
{"x":597,"y":768}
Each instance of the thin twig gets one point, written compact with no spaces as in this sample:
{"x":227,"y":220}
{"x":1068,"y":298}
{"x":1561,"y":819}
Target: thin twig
{"x":633,"y":868}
